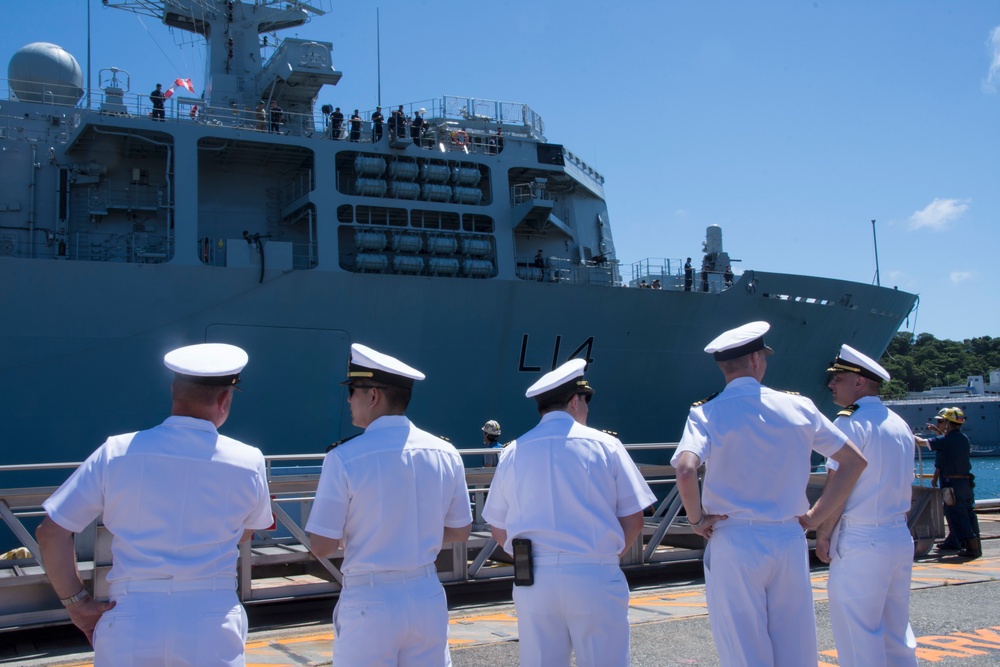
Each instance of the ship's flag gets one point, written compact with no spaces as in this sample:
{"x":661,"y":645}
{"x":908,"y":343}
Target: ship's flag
{"x":182,"y":83}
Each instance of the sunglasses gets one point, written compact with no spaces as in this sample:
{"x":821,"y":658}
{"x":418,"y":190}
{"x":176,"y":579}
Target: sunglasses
{"x":586,"y":396}
{"x":352,"y":387}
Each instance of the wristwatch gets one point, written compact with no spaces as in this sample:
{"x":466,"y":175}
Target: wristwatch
{"x":73,"y":599}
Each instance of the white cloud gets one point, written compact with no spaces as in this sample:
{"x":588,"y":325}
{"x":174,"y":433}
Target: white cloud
{"x":939,"y":214}
{"x":993,"y":47}
{"x":959,"y":276}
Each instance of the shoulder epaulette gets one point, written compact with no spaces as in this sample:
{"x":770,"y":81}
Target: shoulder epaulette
{"x":340,"y":442}
{"x":704,"y":400}
{"x":848,"y":411}
{"x":793,"y":393}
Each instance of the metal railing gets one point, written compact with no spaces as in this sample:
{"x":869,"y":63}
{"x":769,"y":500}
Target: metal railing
{"x":277,"y":563}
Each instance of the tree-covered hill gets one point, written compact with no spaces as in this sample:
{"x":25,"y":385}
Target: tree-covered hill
{"x":917,"y":363}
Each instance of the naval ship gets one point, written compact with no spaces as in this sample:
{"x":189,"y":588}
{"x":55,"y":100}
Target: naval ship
{"x":978,"y":399}
{"x":471,"y":247}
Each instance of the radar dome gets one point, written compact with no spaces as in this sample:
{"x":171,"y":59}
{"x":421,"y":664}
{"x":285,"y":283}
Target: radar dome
{"x":43,"y":72}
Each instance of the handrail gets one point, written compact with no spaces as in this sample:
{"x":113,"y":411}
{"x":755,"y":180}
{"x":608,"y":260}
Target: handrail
{"x":665,"y":539}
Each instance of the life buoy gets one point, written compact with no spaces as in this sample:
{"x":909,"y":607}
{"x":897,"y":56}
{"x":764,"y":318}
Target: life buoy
{"x":194,"y":112}
{"x":460,"y":138}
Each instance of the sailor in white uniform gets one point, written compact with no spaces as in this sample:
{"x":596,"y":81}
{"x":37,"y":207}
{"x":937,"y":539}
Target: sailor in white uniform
{"x":575,"y":493}
{"x":178,"y":498}
{"x":756,"y":445}
{"x":391,"y":497}
{"x":871,"y":557}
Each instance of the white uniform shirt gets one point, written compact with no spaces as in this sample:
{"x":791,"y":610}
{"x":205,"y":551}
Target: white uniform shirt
{"x":389,"y":493}
{"x":756,"y":445}
{"x":563,"y":486}
{"x":176,"y":498}
{"x":884,"y":489}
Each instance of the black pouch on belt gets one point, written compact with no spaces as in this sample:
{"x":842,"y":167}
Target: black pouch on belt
{"x":524,"y":574}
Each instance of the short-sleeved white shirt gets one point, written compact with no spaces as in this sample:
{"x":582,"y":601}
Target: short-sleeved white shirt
{"x":176,"y":499}
{"x":756,"y":444}
{"x":885,"y":488}
{"x":389,"y":494}
{"x":563,"y":486}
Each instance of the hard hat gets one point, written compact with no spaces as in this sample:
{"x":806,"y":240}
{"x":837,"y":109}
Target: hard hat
{"x":954,"y":415}
{"x":491,"y":427}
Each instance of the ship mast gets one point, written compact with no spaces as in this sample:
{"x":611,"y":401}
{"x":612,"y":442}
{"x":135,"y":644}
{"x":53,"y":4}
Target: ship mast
{"x":231,"y":29}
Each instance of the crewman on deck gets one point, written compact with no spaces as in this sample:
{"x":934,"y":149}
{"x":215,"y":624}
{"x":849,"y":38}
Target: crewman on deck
{"x":867,"y":542}
{"x":391,"y":497}
{"x":177,"y":499}
{"x":756,"y":444}
{"x":576,"y":495}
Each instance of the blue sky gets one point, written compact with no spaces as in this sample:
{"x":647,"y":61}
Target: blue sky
{"x":790,"y":124}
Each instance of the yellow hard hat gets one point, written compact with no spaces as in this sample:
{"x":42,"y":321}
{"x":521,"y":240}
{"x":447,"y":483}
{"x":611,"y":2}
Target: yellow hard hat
{"x":954,"y":415}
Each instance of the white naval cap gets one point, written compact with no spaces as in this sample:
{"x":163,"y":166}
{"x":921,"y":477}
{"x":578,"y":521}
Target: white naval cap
{"x":567,"y":376}
{"x":216,"y":364}
{"x":370,"y":364}
{"x":740,"y":341}
{"x":851,"y":361}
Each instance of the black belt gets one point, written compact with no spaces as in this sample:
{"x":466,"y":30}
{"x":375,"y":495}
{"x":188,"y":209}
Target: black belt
{"x":958,"y":476}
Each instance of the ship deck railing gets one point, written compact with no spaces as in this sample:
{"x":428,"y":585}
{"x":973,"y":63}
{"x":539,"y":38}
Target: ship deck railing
{"x":568,"y":271}
{"x":277,"y":563}
{"x":454,"y":124}
{"x":670,"y":273}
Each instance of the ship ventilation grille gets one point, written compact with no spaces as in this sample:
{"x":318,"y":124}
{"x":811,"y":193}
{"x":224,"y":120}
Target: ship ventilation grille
{"x":8,"y":245}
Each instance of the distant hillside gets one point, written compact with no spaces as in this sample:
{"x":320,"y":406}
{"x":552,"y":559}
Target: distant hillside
{"x":917,"y":363}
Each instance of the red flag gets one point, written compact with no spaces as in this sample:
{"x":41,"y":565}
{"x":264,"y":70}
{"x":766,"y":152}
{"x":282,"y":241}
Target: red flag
{"x":170,"y":91}
{"x":185,"y":83}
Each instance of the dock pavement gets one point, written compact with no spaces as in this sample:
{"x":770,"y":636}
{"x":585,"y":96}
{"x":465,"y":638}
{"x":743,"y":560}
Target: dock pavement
{"x":954,"y":614}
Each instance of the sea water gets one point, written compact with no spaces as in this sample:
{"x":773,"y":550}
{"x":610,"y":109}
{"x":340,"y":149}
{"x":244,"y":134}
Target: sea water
{"x":985,"y":468}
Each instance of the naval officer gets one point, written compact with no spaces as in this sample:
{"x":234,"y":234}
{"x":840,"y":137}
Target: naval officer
{"x":575,"y":493}
{"x":177,"y":498}
{"x":872,"y":554}
{"x":391,"y":497}
{"x":756,"y":445}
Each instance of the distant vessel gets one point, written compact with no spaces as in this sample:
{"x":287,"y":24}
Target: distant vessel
{"x":979,"y":400}
{"x":122,"y":236}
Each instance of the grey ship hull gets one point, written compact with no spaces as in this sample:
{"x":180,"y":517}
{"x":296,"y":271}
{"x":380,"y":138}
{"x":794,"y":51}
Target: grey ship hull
{"x":982,"y":418}
{"x":122,"y":237}
{"x":83,"y":344}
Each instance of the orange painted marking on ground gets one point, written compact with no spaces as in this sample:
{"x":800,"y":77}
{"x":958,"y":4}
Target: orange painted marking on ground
{"x":466,"y":620}
{"x":325,"y":637}
{"x":673,"y":603}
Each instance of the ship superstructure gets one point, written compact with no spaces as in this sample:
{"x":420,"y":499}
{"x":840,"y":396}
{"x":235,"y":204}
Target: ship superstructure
{"x":470,"y":246}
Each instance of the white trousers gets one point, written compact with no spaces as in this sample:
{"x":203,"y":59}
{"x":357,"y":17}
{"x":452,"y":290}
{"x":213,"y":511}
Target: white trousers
{"x":578,"y":607}
{"x":870,"y":596}
{"x":760,"y":603}
{"x":391,"y":619}
{"x":172,"y":629}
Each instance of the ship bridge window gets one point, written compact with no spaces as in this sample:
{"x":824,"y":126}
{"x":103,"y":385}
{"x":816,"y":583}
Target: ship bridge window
{"x":380,"y":215}
{"x":434,"y":219}
{"x":345,"y":213}
{"x":473,"y":222}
